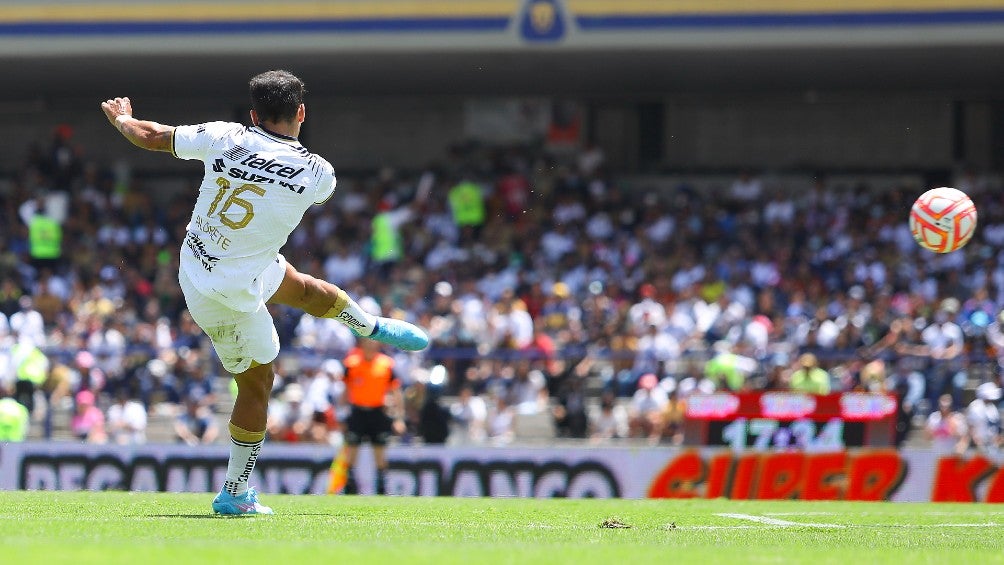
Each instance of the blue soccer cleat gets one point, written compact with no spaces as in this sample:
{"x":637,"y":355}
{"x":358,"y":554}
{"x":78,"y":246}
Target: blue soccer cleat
{"x":226,"y":503}
{"x":400,"y":334}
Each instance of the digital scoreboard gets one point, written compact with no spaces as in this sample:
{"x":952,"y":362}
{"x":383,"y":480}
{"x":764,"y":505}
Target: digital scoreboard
{"x":791,"y":420}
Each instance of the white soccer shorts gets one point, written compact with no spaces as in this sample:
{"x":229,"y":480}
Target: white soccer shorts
{"x":239,"y":338}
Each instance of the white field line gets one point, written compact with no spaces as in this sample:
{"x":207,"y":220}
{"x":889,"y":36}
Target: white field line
{"x":799,"y":513}
{"x":788,"y":524}
{"x":974,"y":512}
{"x":981,"y":525}
{"x":891,"y":526}
{"x":776,"y":522}
{"x":742,"y":527}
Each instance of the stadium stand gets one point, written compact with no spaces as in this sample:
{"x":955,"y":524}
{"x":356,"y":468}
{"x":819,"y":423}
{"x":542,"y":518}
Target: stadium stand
{"x":574,"y":272}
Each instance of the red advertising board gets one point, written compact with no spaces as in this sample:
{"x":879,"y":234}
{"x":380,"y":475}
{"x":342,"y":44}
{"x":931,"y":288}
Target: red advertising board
{"x":781,"y":405}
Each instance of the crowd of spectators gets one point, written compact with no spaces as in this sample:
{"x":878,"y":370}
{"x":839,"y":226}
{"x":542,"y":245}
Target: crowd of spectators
{"x":570,"y":295}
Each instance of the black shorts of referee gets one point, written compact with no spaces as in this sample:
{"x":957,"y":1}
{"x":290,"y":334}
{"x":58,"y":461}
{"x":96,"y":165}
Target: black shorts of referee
{"x":371,"y":425}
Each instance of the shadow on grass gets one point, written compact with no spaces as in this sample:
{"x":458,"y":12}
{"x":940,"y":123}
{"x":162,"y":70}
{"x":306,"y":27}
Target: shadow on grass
{"x":228,"y":517}
{"x":196,"y":516}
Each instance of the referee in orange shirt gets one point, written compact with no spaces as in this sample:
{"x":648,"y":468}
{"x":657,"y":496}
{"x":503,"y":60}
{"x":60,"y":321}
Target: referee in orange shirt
{"x":369,"y":381}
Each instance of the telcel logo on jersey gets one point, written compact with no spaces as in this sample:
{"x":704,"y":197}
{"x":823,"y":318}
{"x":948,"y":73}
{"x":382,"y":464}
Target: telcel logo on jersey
{"x":271,"y":166}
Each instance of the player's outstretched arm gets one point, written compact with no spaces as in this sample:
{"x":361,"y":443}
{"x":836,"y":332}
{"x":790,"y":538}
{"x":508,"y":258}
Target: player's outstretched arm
{"x":141,"y":133}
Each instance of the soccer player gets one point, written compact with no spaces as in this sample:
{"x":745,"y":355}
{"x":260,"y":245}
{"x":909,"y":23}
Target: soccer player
{"x":258,"y":183}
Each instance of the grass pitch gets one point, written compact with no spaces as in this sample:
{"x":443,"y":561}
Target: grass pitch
{"x":153,"y":528}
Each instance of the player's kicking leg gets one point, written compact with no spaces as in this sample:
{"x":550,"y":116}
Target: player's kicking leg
{"x":324,"y":300}
{"x":250,"y":410}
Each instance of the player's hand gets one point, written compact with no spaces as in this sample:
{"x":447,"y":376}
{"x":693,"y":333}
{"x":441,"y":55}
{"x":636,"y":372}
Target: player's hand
{"x":116,"y":107}
{"x":399,"y":427}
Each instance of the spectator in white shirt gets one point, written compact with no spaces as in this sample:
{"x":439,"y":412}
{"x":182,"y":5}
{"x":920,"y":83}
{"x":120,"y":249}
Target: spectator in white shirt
{"x":325,"y":388}
{"x":647,"y":405}
{"x":590,"y":160}
{"x":469,"y":416}
{"x":600,"y":227}
{"x":779,"y":210}
{"x":344,"y":265}
{"x":126,"y":421}
{"x":501,"y":421}
{"x":325,"y":335}
{"x":528,"y":391}
{"x":569,"y":210}
{"x":655,"y":348}
{"x":557,"y":242}
{"x":945,"y":344}
{"x":27,"y":323}
{"x":984,"y":419}
{"x":444,"y":253}
{"x":746,"y":188}
{"x":512,"y":326}
{"x":661,"y":229}
{"x":647,"y":311}
{"x":611,"y":422}
{"x":946,"y":428}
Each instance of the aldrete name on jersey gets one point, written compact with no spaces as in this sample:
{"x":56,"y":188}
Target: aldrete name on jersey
{"x":213,"y":232}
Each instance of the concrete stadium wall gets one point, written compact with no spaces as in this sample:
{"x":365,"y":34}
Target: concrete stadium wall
{"x":778,"y":131}
{"x":352,"y":133}
{"x":810,"y":130}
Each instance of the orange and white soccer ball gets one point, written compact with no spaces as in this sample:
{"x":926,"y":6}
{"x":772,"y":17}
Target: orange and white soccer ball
{"x":943,"y":219}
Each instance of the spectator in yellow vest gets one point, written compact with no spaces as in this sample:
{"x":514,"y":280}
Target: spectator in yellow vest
{"x":810,"y":377}
{"x":45,"y":232}
{"x":467,"y":203}
{"x":728,"y":370}
{"x":14,"y":418}
{"x":386,"y":243}
{"x":31,"y":368}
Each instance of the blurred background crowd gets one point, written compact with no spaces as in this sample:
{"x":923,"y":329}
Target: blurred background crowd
{"x":562,"y":301}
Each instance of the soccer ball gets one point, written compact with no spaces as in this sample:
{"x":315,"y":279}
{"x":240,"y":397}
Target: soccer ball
{"x":943,"y":219}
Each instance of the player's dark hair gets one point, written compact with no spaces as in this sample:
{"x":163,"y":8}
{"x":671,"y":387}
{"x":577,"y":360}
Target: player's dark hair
{"x":276,"y":95}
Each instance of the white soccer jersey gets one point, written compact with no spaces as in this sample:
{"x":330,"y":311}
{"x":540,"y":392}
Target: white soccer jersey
{"x":256,"y":188}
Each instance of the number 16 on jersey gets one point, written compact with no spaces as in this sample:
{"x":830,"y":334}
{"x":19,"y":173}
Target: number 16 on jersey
{"x":234,"y":200}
